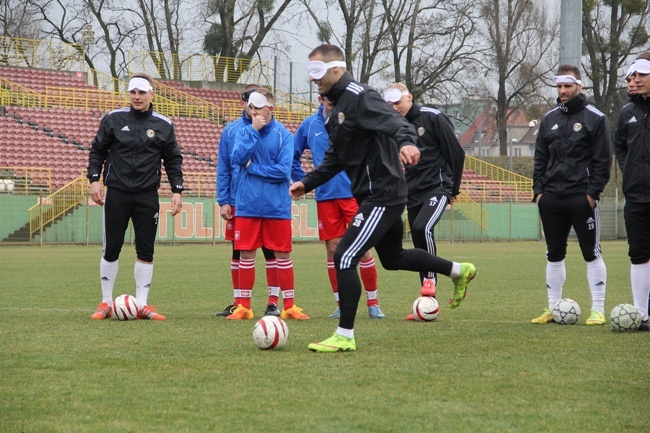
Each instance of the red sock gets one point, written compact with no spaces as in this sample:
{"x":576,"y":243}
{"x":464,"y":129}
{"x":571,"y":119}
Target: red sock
{"x":368,"y":271}
{"x":331,"y":273}
{"x":246,"y":282}
{"x":286,"y":280}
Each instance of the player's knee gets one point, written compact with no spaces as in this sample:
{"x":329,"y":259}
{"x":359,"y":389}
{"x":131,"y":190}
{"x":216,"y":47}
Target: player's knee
{"x":555,"y":256}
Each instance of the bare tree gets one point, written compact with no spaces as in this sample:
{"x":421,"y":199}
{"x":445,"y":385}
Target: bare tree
{"x":519,"y":37}
{"x":19,"y":19}
{"x":431,"y":44}
{"x":238,"y":29}
{"x":612,"y":31}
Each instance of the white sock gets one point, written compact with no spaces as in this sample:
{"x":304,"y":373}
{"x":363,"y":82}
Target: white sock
{"x":597,"y":278}
{"x":143,"y":273}
{"x":455,"y":270}
{"x":640,"y":279}
{"x":348,"y":333}
{"x":107,"y":275}
{"x":555,"y":278}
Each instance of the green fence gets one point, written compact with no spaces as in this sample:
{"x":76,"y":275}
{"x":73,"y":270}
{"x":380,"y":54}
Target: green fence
{"x":199,"y":221}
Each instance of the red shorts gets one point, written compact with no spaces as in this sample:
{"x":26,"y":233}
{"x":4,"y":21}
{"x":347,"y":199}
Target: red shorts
{"x":334,"y":216}
{"x":253,"y":233}
{"x":229,"y":233}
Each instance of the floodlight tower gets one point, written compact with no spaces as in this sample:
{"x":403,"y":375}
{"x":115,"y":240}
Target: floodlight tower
{"x":571,"y":32}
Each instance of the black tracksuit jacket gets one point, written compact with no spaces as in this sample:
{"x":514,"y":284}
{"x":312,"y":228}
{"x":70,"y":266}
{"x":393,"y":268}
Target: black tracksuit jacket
{"x":632,"y":148}
{"x":440,"y":168}
{"x":573,"y":152}
{"x":129,"y":145}
{"x":366,"y":134}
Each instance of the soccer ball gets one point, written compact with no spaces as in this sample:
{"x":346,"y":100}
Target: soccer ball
{"x":270,"y":332}
{"x":566,"y":312}
{"x":426,"y":309}
{"x":126,"y":307}
{"x":625,"y":318}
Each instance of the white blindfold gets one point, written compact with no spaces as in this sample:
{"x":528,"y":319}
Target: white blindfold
{"x":258,"y":100}
{"x":393,"y":95}
{"x":566,"y":79}
{"x":318,"y":69}
{"x":139,"y":83}
{"x":642,"y":66}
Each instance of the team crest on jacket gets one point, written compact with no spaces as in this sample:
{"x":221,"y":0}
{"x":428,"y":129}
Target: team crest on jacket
{"x":421,"y":131}
{"x":577,"y":127}
{"x":341,"y":117}
{"x":150,"y":133}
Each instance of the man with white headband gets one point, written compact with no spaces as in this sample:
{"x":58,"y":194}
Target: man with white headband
{"x":632,"y":145}
{"x":263,"y":151}
{"x":227,"y":187}
{"x":129,"y":147}
{"x":434,"y":181}
{"x":335,"y":204}
{"x":372,"y":143}
{"x":572,"y":164}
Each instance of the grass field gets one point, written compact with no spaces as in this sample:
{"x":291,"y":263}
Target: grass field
{"x":481,"y":368}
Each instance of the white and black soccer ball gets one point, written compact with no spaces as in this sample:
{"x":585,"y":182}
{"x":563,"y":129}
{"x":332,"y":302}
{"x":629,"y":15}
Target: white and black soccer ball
{"x":625,"y":318}
{"x":426,"y":309}
{"x":270,"y":332}
{"x":125,"y":307}
{"x":566,"y":312}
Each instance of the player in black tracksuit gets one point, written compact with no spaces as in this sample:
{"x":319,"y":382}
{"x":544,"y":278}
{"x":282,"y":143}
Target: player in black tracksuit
{"x":434,"y":181}
{"x":572,"y":165}
{"x":129,"y":146}
{"x":632,"y":148}
{"x":368,"y":139}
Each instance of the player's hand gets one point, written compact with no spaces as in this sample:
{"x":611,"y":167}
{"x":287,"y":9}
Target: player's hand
{"x":226,"y":212}
{"x":177,"y":203}
{"x":296,"y":190}
{"x":409,"y":154}
{"x":258,"y":122}
{"x":592,"y":201}
{"x":97,"y":193}
{"x":453,"y":198}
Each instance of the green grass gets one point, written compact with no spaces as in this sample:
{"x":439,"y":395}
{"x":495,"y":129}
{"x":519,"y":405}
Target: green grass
{"x":480,"y":368}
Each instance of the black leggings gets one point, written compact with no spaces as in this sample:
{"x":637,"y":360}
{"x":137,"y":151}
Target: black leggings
{"x":142,"y":208}
{"x":380,"y":227}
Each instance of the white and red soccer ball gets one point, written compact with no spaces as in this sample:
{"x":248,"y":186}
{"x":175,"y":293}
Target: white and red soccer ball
{"x":426,"y":309}
{"x":270,"y":332}
{"x":125,"y":307}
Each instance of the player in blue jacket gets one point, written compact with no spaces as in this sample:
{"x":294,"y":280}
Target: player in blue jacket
{"x":227,"y":182}
{"x":336,"y":206}
{"x":263,"y":151}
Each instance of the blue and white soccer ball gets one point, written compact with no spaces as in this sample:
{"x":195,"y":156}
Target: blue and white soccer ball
{"x":566,"y":312}
{"x":625,"y":318}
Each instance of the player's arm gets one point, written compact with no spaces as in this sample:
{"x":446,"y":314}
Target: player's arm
{"x":245,"y":141}
{"x":280,"y":170}
{"x":329,"y":168}
{"x":541,"y":161}
{"x":96,"y":158}
{"x":620,"y":141}
{"x":451,"y":150}
{"x":601,"y":163}
{"x":300,"y":143}
{"x":224,"y":171}
{"x":374,"y":114}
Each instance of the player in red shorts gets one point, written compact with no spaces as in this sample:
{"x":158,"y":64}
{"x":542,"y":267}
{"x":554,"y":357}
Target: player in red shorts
{"x":263,"y":152}
{"x":336,"y":206}
{"x":227,"y":182}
